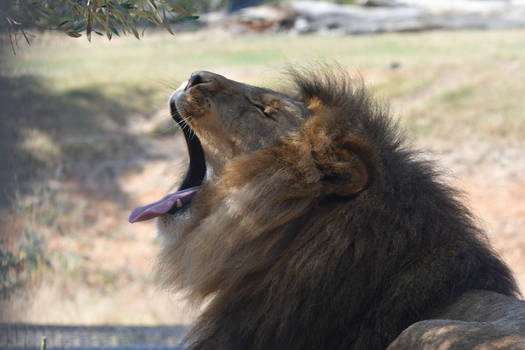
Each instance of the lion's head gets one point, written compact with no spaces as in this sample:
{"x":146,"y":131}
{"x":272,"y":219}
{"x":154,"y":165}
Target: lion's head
{"x":258,"y":160}
{"x":308,"y":221}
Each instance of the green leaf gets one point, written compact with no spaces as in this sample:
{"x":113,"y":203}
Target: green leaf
{"x":73,"y":34}
{"x":105,"y":23}
{"x":152,"y":5}
{"x":185,"y":19}
{"x":63,"y":24}
{"x":179,"y":9}
{"x":165,"y":21}
{"x":89,"y":25}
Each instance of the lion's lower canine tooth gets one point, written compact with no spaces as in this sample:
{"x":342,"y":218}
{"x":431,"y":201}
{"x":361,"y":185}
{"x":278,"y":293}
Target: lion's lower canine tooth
{"x":178,"y":203}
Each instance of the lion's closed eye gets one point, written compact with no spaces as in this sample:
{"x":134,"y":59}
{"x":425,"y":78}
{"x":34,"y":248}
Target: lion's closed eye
{"x":264,"y":111}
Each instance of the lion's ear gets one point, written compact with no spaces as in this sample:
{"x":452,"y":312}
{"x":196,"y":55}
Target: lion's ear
{"x":343,"y":171}
{"x":345,"y":163}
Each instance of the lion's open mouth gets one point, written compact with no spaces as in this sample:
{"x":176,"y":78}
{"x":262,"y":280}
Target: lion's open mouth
{"x":190,"y":185}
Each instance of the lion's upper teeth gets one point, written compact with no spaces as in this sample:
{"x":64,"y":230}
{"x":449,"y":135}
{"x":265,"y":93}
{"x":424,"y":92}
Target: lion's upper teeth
{"x":178,"y":203}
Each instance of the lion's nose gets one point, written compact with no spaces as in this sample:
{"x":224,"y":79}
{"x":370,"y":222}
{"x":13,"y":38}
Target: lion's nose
{"x":203,"y":77}
{"x":195,"y":79}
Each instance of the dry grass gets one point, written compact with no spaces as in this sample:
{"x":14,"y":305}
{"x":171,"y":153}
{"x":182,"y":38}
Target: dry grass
{"x":86,"y":137}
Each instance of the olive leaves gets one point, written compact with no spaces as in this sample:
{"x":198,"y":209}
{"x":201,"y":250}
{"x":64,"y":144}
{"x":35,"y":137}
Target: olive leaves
{"x":103,"y":17}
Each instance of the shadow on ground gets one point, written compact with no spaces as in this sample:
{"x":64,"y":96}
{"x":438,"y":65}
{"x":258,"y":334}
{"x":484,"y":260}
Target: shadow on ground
{"x":79,"y":137}
{"x":63,"y":197}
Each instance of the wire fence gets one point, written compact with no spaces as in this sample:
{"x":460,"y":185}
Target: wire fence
{"x":29,"y":337}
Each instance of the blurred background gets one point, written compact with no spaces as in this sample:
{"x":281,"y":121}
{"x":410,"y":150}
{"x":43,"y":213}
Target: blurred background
{"x":86,"y":136}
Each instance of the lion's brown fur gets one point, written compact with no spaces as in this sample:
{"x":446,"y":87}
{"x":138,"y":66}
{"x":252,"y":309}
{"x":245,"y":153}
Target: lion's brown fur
{"x":330,"y":236}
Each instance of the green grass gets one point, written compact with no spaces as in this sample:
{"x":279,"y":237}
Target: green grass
{"x":445,"y":77}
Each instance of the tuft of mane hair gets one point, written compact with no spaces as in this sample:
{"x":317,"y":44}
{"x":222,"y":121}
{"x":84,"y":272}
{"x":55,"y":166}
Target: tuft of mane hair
{"x":354,"y":236}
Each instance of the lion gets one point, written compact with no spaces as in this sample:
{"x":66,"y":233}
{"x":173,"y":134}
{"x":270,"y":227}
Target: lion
{"x":305,"y":222}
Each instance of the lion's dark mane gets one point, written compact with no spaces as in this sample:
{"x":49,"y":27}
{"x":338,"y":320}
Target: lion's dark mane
{"x":352,"y":273}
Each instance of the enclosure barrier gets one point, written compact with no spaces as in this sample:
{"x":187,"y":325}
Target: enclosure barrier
{"x":29,"y":337}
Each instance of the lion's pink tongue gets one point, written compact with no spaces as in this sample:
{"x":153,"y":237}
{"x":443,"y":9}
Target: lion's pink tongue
{"x":164,"y":205}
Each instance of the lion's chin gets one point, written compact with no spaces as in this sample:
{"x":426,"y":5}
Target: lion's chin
{"x":169,"y":227}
